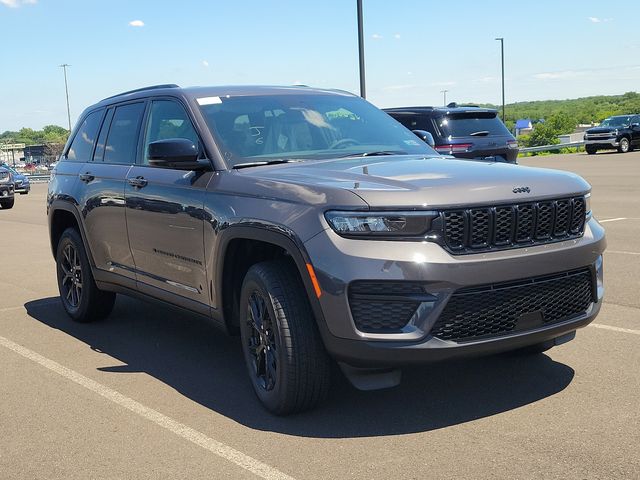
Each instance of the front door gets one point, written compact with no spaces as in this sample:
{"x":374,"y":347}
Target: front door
{"x":165,"y":215}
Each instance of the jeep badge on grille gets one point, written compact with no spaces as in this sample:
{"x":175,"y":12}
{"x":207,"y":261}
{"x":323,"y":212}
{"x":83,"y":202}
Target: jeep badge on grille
{"x":521,"y":190}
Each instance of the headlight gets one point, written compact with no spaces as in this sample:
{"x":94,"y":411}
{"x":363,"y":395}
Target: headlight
{"x":615,"y":133}
{"x":380,"y":224}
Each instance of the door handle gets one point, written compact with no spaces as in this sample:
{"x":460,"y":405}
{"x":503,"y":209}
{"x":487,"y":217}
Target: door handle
{"x":87,"y":177}
{"x":137,"y":182}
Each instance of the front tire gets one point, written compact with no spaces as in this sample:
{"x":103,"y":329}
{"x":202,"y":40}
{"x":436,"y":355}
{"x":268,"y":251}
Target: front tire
{"x":591,"y":150}
{"x":624,"y":145}
{"x":7,"y":204}
{"x":81,"y":298}
{"x":285,"y":358}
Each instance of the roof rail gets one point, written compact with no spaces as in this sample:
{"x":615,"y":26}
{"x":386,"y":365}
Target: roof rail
{"x":151,"y":87}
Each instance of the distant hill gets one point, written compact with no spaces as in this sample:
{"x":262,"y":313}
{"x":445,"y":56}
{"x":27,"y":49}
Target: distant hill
{"x":580,"y":110}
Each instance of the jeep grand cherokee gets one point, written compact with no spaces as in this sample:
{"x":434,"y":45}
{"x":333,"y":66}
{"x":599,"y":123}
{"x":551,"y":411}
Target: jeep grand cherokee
{"x":318,"y":228}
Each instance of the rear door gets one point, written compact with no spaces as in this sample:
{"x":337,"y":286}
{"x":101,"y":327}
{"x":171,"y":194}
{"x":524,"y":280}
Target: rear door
{"x":635,"y":131}
{"x":165,"y":215}
{"x":102,"y":182}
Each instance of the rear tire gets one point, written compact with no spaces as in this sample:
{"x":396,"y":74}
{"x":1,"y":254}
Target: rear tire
{"x":7,"y":204}
{"x":624,"y":146}
{"x":81,"y":298}
{"x":284,"y":354}
{"x":591,"y":150}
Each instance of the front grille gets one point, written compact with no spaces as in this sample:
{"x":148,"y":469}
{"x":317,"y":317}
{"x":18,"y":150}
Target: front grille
{"x":495,"y":310}
{"x":494,"y":228}
{"x":384,"y":307}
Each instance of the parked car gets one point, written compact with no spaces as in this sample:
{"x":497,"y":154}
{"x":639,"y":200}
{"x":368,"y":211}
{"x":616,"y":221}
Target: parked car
{"x":22,"y":185}
{"x":6,"y":188}
{"x":318,"y":228}
{"x":621,"y":132}
{"x":462,"y":131}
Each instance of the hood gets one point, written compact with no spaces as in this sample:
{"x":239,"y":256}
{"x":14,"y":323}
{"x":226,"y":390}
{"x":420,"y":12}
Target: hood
{"x":603,"y":129}
{"x":423,"y":182}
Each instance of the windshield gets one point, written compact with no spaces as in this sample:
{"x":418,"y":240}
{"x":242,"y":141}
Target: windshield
{"x":471,"y":124}
{"x":616,"y":122}
{"x":306,"y":126}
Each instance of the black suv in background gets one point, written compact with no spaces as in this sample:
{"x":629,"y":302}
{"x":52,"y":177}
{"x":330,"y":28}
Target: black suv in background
{"x":621,"y":132}
{"x":462,"y":131}
{"x":6,"y":188}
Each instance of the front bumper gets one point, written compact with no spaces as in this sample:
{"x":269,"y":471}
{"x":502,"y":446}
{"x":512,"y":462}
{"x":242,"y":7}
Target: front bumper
{"x":338,"y":262}
{"x":603,"y":142}
{"x":22,"y":187}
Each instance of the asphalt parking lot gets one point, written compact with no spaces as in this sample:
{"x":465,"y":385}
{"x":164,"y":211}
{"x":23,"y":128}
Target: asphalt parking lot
{"x":156,"y":393}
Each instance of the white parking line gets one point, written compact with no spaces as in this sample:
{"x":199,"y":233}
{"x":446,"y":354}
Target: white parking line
{"x":613,"y":219}
{"x":615,"y":329}
{"x":622,"y":252}
{"x":214,"y":446}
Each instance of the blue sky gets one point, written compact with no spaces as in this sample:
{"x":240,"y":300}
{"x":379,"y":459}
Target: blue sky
{"x":414,"y":49}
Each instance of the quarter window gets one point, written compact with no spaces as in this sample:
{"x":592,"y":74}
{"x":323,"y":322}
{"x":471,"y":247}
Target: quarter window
{"x":123,"y":134}
{"x":82,"y":145}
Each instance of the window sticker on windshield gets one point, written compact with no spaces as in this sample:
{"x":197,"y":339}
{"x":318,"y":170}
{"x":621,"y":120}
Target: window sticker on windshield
{"x":209,"y":100}
{"x":411,"y":142}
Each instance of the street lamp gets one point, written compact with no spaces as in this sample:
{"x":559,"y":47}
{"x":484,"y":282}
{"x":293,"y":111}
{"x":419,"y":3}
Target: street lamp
{"x":444,"y":97}
{"x":501,"y":39}
{"x":361,"y":49}
{"x":66,"y":89}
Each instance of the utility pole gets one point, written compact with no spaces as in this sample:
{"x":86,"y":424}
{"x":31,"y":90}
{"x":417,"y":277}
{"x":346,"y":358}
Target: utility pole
{"x":501,"y":39}
{"x":363,"y":93}
{"x":66,"y":89}
{"x":444,"y":97}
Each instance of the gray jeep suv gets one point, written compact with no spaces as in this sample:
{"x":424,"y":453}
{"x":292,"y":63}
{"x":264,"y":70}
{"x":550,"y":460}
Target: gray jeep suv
{"x":316,"y":227}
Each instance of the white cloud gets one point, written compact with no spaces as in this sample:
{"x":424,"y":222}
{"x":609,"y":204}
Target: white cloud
{"x":557,"y":75}
{"x":136,"y":23}
{"x":599,"y":20}
{"x":397,"y":36}
{"x":376,"y":36}
{"x":205,"y":63}
{"x":17,"y":3}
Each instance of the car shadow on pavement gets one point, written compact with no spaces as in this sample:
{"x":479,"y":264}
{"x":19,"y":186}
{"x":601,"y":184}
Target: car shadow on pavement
{"x":188,"y":354}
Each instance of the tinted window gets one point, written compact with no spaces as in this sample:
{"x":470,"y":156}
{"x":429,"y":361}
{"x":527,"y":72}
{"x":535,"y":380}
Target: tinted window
{"x":309,"y":127}
{"x":102,"y":138}
{"x":471,"y":124}
{"x":168,"y":119}
{"x":123,"y":134}
{"x":82,"y":145}
{"x":621,"y":121}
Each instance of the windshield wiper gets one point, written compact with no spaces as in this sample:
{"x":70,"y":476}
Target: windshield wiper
{"x":378,"y":153}
{"x":481,"y":133}
{"x":265,"y":162}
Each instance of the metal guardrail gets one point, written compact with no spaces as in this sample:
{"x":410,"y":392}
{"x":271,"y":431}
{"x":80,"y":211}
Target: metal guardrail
{"x":546,"y":148}
{"x":39,"y":177}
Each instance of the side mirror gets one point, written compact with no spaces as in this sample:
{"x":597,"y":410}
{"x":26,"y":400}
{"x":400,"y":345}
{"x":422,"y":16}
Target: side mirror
{"x":425,"y":136}
{"x":178,"y":153}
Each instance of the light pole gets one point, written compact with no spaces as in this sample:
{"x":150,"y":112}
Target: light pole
{"x":501,"y":39}
{"x":66,"y":89}
{"x":444,"y":97}
{"x":363,"y":93}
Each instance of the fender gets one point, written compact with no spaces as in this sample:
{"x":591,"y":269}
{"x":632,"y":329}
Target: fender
{"x":280,"y":236}
{"x":72,"y":207}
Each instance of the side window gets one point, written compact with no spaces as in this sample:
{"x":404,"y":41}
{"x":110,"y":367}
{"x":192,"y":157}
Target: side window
{"x":167,"y":119}
{"x":82,"y":145}
{"x":102,"y":137}
{"x":123,"y":134}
